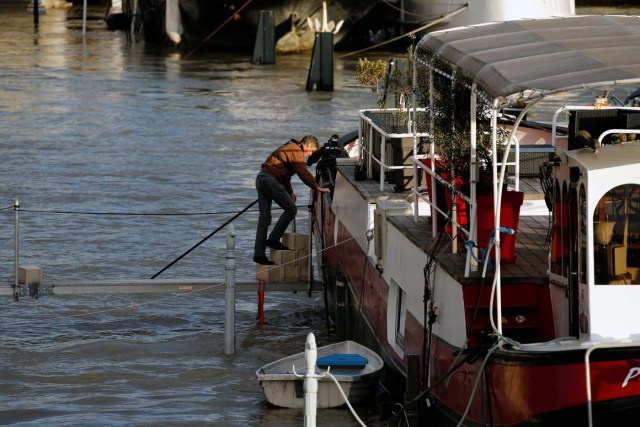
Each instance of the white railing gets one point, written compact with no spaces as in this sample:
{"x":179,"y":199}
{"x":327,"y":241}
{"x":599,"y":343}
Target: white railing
{"x":419,"y":191}
{"x":419,"y":195}
{"x":626,"y":343}
{"x":367,"y":147}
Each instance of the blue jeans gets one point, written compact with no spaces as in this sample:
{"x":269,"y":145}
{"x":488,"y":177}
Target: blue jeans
{"x":270,"y":190}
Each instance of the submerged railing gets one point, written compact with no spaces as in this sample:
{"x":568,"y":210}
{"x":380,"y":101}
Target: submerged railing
{"x":27,"y":280}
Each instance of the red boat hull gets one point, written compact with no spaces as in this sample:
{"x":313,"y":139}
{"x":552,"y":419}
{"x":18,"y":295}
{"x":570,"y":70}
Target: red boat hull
{"x":518,"y":386}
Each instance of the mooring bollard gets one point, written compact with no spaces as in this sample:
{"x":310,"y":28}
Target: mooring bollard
{"x":229,"y":295}
{"x":36,"y":13}
{"x":321,"y":68}
{"x":310,"y":385}
{"x":264,"y":50}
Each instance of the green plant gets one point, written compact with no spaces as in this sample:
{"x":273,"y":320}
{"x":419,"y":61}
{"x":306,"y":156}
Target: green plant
{"x":388,"y":80}
{"x":373,"y":73}
{"x":449,"y":105}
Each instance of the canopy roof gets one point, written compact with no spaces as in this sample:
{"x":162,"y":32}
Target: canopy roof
{"x":544,"y":55}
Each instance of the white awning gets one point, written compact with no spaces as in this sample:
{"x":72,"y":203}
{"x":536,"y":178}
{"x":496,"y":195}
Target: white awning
{"x":545,"y":55}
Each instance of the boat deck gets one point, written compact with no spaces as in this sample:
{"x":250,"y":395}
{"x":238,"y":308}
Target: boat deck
{"x":530,"y":249}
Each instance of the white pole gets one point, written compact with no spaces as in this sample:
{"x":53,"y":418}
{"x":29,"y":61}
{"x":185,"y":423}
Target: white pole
{"x":310,"y":386}
{"x":229,"y":294}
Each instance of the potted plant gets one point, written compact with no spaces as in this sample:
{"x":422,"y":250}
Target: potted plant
{"x":390,"y":80}
{"x":392,"y":83}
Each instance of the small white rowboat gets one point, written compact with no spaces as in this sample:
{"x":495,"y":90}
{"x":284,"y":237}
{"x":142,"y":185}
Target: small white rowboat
{"x":356,"y":368}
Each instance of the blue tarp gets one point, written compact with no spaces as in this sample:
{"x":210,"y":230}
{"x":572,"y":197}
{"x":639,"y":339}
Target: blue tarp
{"x":342,"y":360}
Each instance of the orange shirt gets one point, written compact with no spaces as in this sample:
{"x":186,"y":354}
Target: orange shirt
{"x":291,"y":154}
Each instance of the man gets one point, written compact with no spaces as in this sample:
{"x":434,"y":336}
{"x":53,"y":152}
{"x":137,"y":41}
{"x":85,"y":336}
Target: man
{"x":274,"y":184}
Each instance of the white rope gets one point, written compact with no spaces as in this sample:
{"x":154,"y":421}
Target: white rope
{"x":330,"y":375}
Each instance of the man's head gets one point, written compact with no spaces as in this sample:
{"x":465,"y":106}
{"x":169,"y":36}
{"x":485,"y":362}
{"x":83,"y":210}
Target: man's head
{"x":310,"y":144}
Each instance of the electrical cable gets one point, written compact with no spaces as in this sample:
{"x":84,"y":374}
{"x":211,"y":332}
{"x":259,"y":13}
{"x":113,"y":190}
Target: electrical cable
{"x":369,"y":234}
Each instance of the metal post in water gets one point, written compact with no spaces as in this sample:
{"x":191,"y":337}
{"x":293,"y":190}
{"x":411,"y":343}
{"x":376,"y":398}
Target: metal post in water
{"x":229,"y":294}
{"x":84,"y":18}
{"x":36,"y":13}
{"x":16,"y":248}
{"x":321,"y":68}
{"x":264,"y":50}
{"x":310,"y":385}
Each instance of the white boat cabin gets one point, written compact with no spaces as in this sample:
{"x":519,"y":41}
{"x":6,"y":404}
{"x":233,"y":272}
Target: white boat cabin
{"x":596,"y":227}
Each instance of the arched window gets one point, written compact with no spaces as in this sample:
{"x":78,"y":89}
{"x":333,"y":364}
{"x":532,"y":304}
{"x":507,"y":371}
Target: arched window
{"x":616,"y":229}
{"x":582,"y":235}
{"x":560,"y":236}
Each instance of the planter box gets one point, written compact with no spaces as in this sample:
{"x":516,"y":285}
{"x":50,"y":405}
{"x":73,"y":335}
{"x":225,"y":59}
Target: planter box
{"x":509,"y":218}
{"x":443,"y":198}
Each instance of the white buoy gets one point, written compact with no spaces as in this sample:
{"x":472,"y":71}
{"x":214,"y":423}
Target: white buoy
{"x":324,"y":17}
{"x":173,"y":21}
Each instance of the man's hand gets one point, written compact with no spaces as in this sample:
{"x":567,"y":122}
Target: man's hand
{"x":323,"y":190}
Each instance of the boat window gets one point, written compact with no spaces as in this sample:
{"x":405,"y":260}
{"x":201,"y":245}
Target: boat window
{"x":560,"y":236}
{"x":616,"y":236}
{"x":401,"y":316}
{"x":582,"y":235}
{"x":565,"y":230}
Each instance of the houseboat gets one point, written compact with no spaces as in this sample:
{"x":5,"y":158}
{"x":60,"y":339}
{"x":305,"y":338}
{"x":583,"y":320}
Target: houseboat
{"x":504,"y":294}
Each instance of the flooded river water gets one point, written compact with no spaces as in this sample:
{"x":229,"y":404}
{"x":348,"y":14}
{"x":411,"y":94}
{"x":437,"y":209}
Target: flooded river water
{"x":122,"y":157}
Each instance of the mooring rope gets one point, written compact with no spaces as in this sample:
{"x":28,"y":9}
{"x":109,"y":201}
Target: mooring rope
{"x":60,"y":212}
{"x":206,"y":39}
{"x":410,"y":33}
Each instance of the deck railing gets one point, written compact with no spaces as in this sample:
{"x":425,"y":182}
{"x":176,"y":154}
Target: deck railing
{"x":388,"y":124}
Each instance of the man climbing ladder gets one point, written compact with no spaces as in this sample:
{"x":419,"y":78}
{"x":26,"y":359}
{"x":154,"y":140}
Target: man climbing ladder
{"x":274,"y":184}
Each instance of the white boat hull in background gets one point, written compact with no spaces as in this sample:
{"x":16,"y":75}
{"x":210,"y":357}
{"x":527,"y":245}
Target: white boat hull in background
{"x":481,"y":11}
